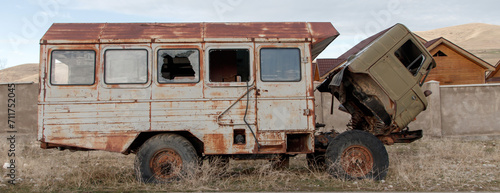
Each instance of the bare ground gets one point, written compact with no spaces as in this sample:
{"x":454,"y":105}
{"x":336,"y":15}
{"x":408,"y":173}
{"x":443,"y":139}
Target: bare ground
{"x":425,"y":165}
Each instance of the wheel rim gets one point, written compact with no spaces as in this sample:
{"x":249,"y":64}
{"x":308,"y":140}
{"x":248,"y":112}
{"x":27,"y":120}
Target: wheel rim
{"x":357,"y":161}
{"x":165,"y":164}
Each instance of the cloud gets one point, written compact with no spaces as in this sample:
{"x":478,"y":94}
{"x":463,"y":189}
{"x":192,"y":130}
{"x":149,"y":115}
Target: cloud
{"x":184,"y":10}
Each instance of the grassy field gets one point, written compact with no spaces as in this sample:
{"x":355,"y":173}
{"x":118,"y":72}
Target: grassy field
{"x":425,"y":165}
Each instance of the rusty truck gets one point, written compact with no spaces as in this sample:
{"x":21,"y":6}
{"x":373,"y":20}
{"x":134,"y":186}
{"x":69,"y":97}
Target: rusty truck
{"x":177,"y":93}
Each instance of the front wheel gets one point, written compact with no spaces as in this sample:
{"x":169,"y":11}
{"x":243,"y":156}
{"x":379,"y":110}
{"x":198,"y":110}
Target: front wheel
{"x":357,"y":154}
{"x":165,"y":157}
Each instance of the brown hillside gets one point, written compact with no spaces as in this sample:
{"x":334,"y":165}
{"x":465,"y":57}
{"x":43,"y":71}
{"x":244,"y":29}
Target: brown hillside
{"x":20,"y":73}
{"x":478,"y":38}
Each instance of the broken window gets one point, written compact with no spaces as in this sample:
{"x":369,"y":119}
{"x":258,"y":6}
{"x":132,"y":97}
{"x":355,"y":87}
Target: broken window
{"x":177,"y":66}
{"x":229,"y":65}
{"x":280,"y":64}
{"x":411,"y":57}
{"x":126,"y":66}
{"x":439,"y":53}
{"x":72,"y":67}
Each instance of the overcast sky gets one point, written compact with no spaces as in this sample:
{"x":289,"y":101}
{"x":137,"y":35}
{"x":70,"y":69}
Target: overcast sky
{"x":25,"y":22}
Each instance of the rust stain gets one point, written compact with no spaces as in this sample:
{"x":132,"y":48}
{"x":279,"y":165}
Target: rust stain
{"x":117,"y":143}
{"x":215,"y":143}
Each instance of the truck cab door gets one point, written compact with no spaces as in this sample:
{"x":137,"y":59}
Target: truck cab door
{"x":400,"y":73}
{"x":282,"y":84}
{"x":229,"y":95}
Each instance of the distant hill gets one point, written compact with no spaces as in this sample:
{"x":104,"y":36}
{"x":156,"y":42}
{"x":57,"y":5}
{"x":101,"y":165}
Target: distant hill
{"x":481,"y":39}
{"x":20,"y":73}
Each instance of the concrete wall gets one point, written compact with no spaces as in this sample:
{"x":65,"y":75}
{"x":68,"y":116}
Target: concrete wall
{"x":470,"y":110}
{"x":430,"y":120}
{"x":26,"y":99}
{"x":453,"y":111}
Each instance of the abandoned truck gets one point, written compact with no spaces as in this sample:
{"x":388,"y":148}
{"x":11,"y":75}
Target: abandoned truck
{"x":177,"y":93}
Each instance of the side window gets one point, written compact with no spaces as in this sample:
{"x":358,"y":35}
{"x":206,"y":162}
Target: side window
{"x":126,"y":66}
{"x":411,"y":57}
{"x":229,"y":65}
{"x":178,"y":66}
{"x":280,"y":64}
{"x":72,"y":67}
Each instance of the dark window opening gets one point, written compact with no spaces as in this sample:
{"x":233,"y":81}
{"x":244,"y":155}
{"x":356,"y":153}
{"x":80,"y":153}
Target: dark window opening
{"x":411,"y":57}
{"x":178,"y":66}
{"x":280,"y":64}
{"x":439,"y":53}
{"x":72,"y":67}
{"x":229,"y":65}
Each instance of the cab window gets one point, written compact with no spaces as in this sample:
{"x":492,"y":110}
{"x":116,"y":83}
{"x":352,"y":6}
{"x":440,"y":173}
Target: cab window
{"x":72,"y":67}
{"x":126,"y":66}
{"x":410,"y":56}
{"x":178,"y":65}
{"x":229,"y":65}
{"x":280,"y":64}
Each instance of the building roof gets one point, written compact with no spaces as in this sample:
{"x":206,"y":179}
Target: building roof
{"x":491,"y":77}
{"x":325,"y":65}
{"x":331,"y":64}
{"x":430,"y":45}
{"x":320,"y":34}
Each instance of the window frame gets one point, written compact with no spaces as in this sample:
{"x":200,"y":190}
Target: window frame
{"x":147,"y":66}
{"x":158,"y":72}
{"x":300,"y":63}
{"x":229,"y":46}
{"x":422,"y":55}
{"x":51,"y":65}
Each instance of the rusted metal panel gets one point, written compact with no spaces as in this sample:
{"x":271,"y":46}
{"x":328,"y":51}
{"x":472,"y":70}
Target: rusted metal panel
{"x":114,"y":142}
{"x":319,"y":33}
{"x":71,"y":32}
{"x":323,"y":34}
{"x":152,"y":32}
{"x":109,"y":116}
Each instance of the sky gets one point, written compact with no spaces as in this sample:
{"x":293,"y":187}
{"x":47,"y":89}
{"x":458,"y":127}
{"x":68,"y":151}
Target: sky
{"x":24,"y":22}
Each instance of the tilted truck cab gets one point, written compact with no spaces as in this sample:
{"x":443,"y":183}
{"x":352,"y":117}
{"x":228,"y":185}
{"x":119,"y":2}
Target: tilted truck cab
{"x":176,"y":93}
{"x":380,"y":85}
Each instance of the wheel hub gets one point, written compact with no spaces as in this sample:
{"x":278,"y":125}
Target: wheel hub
{"x":166,"y":163}
{"x":357,"y":161}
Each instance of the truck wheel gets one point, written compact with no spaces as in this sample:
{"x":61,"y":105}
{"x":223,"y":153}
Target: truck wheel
{"x":165,"y":157}
{"x":357,"y":154}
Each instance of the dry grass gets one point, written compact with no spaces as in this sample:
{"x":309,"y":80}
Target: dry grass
{"x":426,"y":165}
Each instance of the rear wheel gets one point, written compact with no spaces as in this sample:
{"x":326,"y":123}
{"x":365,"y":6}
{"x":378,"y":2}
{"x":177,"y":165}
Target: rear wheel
{"x":165,"y":157}
{"x":357,"y":154}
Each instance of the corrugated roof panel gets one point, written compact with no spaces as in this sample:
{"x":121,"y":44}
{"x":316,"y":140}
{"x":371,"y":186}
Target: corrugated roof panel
{"x":147,"y":31}
{"x":74,"y":32}
{"x":319,"y":33}
{"x":288,"y":30}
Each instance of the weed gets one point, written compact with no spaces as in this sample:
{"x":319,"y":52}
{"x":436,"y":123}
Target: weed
{"x":425,"y":165}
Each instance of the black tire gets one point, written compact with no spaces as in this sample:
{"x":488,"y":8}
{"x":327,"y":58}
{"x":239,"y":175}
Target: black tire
{"x":165,"y":157}
{"x":357,"y":154}
{"x":316,"y":161}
